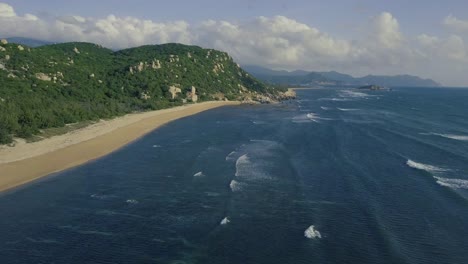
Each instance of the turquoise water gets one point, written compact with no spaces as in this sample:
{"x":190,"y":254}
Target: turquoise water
{"x":337,"y":176}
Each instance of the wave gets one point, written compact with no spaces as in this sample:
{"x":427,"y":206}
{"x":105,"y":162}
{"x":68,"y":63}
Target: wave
{"x":102,"y":196}
{"x":156,"y":146}
{"x":348,"y":109}
{"x":446,"y":182}
{"x":257,"y":122}
{"x":225,"y":221}
{"x":353,"y":94}
{"x":231,"y":156}
{"x":450,"y":136}
{"x":243,"y":165}
{"x":452,"y":183}
{"x":235,"y":186}
{"x":131,"y":201}
{"x":312,"y":233}
{"x":325,"y":108}
{"x":335,"y":99}
{"x":425,"y":167}
{"x":199,"y":174}
{"x":307,"y":118}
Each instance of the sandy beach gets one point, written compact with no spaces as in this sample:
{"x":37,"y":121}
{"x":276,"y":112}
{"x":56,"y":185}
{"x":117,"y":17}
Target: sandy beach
{"x":26,"y":162}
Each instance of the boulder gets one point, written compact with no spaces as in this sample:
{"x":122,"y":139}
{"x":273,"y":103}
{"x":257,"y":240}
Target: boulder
{"x":2,"y":48}
{"x":4,"y":41}
{"x":174,"y":91}
{"x":20,"y":48}
{"x":43,"y":77}
{"x":76,"y":50}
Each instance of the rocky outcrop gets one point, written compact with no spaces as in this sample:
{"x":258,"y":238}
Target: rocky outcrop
{"x":192,"y":95}
{"x":156,"y":64}
{"x":76,"y":50}
{"x":174,"y":91}
{"x":43,"y":77}
{"x":144,"y":96}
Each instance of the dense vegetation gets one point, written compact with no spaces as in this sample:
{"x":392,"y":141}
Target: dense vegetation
{"x":55,"y":85}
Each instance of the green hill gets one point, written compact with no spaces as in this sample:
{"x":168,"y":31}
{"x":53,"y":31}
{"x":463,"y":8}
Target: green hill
{"x":54,"y":85}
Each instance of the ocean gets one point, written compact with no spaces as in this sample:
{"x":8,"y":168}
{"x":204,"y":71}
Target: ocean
{"x":337,"y":176}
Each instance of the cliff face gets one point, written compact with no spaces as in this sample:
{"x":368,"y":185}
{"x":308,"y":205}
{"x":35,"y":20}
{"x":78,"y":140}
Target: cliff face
{"x":53,"y":85}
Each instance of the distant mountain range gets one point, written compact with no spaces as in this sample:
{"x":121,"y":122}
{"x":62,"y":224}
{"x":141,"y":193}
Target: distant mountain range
{"x":33,"y":43}
{"x":306,"y":78}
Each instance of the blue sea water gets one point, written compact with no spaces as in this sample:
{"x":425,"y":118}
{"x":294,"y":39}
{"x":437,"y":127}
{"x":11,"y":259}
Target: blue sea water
{"x":336,"y":176}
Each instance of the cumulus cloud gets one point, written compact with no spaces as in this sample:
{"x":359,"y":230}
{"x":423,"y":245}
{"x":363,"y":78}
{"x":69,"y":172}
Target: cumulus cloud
{"x":456,"y":24}
{"x":277,"y":42}
{"x":387,"y":31}
{"x":6,"y":11}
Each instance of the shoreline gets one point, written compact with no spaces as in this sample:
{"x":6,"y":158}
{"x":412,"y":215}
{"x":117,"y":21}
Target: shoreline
{"x":27,"y":162}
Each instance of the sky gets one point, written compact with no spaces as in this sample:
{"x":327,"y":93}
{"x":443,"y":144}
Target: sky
{"x":358,"y":37}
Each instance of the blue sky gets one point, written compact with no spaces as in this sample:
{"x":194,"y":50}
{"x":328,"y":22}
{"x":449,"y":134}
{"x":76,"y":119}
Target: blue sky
{"x":426,"y":38}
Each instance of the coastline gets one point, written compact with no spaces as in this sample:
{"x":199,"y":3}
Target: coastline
{"x":27,"y":162}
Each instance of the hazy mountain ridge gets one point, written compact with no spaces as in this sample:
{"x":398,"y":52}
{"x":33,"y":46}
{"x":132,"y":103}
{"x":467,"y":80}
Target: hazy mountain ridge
{"x":54,"y":85}
{"x":305,"y":78}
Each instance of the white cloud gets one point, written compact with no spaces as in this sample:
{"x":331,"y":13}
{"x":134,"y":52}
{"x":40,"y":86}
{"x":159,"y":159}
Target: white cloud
{"x":6,"y":11}
{"x":455,"y":23}
{"x":427,"y":40}
{"x":387,"y":31}
{"x":277,"y":42}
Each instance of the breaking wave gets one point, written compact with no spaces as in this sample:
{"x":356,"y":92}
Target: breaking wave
{"x":347,"y":109}
{"x":425,"y":167}
{"x":307,"y":118}
{"x":312,"y":233}
{"x":452,"y":183}
{"x":437,"y":171}
{"x":450,"y":136}
{"x":199,"y":174}
{"x":225,"y":221}
{"x":235,"y":186}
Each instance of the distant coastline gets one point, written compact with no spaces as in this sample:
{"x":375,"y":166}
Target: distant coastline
{"x":27,"y":162}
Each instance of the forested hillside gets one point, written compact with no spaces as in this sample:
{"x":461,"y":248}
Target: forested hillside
{"x":54,"y":85}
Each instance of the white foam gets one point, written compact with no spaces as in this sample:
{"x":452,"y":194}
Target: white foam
{"x":102,"y":196}
{"x":230,"y":156}
{"x":347,"y":109}
{"x":243,"y":165}
{"x":307,"y":118}
{"x":235,"y":186}
{"x":225,"y":221}
{"x":256,"y":122}
{"x":353,"y":94}
{"x":199,"y":174}
{"x":425,"y":167}
{"x":452,"y":136}
{"x":325,"y":108}
{"x":335,"y":99}
{"x":312,"y":233}
{"x":313,"y":117}
{"x":156,"y":146}
{"x":452,"y":183}
{"x":131,"y":201}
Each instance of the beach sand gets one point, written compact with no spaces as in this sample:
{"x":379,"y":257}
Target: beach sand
{"x":26,"y":162}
